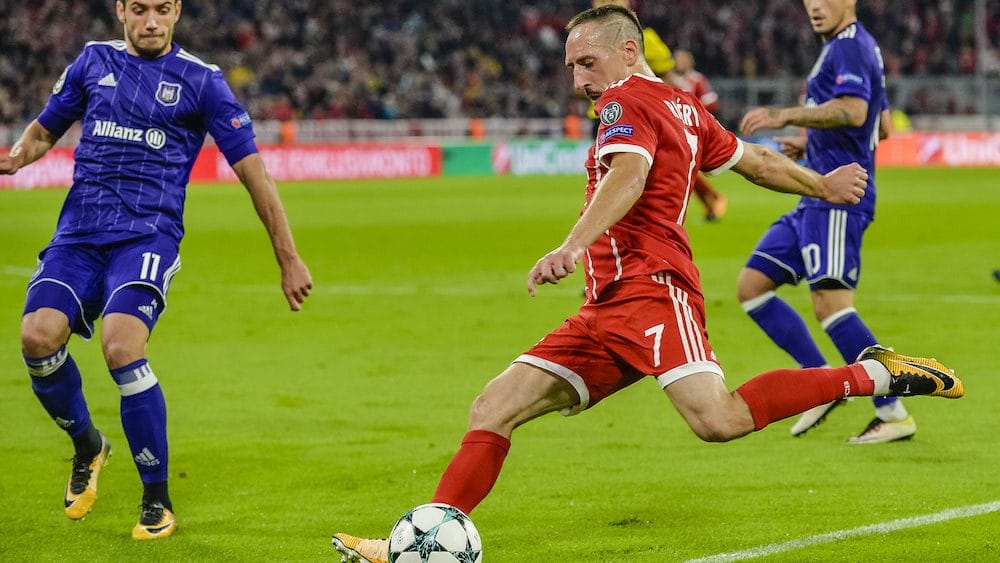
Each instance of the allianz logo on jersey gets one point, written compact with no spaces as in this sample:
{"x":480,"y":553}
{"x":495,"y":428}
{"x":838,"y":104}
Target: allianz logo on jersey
{"x":153,"y":137}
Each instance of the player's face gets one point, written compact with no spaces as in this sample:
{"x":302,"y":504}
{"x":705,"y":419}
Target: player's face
{"x":149,"y":25}
{"x":683,"y":62}
{"x":829,"y":16}
{"x":595,"y":64}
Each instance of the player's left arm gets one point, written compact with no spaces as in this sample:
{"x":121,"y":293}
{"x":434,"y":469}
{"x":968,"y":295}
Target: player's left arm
{"x":615,"y":195}
{"x":33,"y":143}
{"x":296,"y":282}
{"x":851,"y":62}
{"x":767,"y":168}
{"x":845,"y":111}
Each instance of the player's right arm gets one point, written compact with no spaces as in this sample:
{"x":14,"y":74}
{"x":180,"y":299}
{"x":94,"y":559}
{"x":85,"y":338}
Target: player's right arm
{"x":32,"y":145}
{"x":616,"y":193}
{"x":767,"y":168}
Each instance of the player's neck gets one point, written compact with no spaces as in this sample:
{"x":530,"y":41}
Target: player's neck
{"x":848,"y":21}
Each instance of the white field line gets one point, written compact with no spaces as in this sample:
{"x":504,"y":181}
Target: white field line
{"x":951,"y":299}
{"x":494,"y":289}
{"x":873,"y":529}
{"x":16,"y":271}
{"x":564,"y":288}
{"x":391,"y":290}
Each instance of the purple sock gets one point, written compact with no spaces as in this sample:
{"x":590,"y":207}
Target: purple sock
{"x":144,"y":419}
{"x":56,"y":382}
{"x":786,"y":328}
{"x":850,"y":335}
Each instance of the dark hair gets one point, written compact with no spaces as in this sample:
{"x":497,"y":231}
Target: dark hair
{"x":607,"y":13}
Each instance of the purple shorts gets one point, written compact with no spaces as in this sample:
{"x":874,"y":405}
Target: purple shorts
{"x":80,"y":279}
{"x":821,"y":246}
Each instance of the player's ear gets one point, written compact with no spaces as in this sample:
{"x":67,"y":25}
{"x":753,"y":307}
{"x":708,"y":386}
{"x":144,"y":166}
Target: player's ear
{"x":632,"y":53}
{"x":179,"y":6}
{"x":120,"y":10}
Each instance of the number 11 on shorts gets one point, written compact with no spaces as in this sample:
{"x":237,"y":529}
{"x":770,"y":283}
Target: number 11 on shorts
{"x":150,"y":266}
{"x":657,"y":332}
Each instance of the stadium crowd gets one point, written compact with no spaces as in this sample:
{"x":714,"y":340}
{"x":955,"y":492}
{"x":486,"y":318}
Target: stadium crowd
{"x":473,"y":58}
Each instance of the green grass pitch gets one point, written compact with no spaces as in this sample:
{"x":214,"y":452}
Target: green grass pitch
{"x":287,"y":427}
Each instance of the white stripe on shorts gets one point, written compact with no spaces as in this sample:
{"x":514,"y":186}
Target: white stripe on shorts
{"x":694,"y":348}
{"x":836,"y":243}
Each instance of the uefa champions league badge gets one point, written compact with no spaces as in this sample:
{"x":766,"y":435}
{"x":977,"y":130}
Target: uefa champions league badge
{"x":611,"y":113}
{"x":168,"y":93}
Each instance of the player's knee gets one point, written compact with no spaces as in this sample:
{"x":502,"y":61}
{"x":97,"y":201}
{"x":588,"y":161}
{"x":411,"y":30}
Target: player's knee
{"x":717,"y":429}
{"x":480,"y":413}
{"x":39,"y":338}
{"x":715,"y":433}
{"x":120,"y":351}
{"x":751,"y":285}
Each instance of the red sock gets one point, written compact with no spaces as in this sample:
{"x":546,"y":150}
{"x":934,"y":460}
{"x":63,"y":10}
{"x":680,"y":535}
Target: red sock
{"x":782,"y":393}
{"x":705,"y":192}
{"x":473,"y":471}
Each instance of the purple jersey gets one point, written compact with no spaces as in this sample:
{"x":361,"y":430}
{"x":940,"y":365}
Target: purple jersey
{"x":849,"y":65}
{"x":144,"y":123}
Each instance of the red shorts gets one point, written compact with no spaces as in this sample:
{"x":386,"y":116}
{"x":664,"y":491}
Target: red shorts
{"x":647,"y":325}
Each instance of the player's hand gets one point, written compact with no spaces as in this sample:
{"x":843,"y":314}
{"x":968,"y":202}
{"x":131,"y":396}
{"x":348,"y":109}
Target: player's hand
{"x":553,"y":267}
{"x":793,"y":147}
{"x":762,"y":118}
{"x":296,"y":282}
{"x":11,"y":163}
{"x":845,"y":184}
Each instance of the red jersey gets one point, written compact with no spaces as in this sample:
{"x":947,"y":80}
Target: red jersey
{"x":696,"y":83}
{"x":678,"y":137}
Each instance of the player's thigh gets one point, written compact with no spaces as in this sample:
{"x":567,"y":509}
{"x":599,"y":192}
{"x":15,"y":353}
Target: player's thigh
{"x":146,"y":263}
{"x":519,"y":394}
{"x":831,"y":247}
{"x":69,"y":279}
{"x":777,"y":254}
{"x":656,"y":326}
{"x":574,"y":354}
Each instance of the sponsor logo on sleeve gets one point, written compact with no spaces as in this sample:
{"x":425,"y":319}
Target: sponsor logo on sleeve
{"x":616,"y":131}
{"x":62,"y":80}
{"x":241,"y":120}
{"x":611,"y":113}
{"x":848,"y":77}
{"x":168,"y":93}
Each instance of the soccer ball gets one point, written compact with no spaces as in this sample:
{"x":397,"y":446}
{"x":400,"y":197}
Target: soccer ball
{"x":435,"y":533}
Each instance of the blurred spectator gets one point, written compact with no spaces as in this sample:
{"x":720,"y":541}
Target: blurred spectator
{"x":457,"y":58}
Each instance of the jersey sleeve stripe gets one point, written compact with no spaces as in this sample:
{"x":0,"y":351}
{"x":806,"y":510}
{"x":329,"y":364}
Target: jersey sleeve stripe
{"x":620,"y":147}
{"x":737,"y":156}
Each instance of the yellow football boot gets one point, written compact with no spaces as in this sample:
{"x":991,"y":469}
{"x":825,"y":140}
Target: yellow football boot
{"x":915,"y":376}
{"x":361,"y":550}
{"x":155,"y":522}
{"x":81,"y":490}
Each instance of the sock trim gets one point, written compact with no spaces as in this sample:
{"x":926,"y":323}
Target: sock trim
{"x":134,"y":378}
{"x":757,"y":302}
{"x":833,"y":318}
{"x":47,"y":365}
{"x":486,"y":437}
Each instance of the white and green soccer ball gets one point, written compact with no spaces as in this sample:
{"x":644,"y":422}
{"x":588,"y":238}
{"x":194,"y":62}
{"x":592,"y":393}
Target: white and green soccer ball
{"x":435,"y":533}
